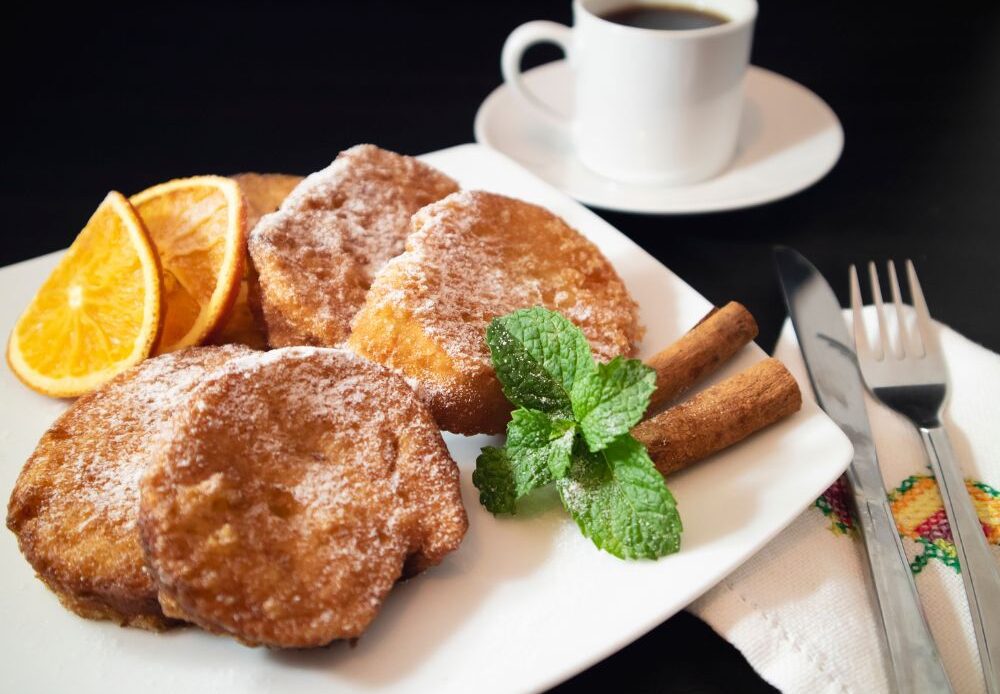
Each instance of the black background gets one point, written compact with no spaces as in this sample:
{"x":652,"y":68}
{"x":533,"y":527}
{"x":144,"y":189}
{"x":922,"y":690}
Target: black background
{"x":120,"y":97}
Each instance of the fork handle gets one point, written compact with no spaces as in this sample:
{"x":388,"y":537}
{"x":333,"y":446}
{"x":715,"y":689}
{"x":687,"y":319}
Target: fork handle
{"x":979,"y":568}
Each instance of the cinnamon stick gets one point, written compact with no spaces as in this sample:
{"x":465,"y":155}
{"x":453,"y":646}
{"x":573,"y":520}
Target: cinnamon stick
{"x":702,"y":350}
{"x":720,"y":416}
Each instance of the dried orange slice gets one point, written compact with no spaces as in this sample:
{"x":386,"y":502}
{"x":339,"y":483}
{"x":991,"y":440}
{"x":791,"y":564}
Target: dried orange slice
{"x":98,"y":313}
{"x":198,"y":226}
{"x":262,"y":193}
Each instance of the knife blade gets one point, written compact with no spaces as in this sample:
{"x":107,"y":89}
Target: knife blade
{"x":914,"y":662}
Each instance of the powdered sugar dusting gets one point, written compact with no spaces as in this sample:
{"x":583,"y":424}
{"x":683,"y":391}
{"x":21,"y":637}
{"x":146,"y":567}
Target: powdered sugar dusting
{"x":134,"y":414}
{"x":310,"y":457}
{"x":80,"y":488}
{"x":317,"y":254}
{"x":474,"y":256}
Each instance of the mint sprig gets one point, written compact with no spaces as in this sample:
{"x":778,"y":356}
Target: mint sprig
{"x":572,"y":428}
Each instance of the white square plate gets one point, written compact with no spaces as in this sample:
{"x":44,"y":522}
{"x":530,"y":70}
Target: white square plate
{"x":523,"y":604}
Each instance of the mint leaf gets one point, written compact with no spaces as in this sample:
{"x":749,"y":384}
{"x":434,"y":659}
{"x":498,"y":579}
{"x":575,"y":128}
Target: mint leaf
{"x":621,"y":502}
{"x":539,"y":448}
{"x":538,"y":355}
{"x":611,"y":400}
{"x":494,"y":478}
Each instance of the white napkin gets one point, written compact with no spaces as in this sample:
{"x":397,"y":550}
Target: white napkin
{"x":800,"y":610}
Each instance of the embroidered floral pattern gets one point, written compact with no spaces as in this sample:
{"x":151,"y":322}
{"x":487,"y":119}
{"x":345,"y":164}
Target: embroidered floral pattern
{"x":917,"y":508}
{"x":835,"y":505}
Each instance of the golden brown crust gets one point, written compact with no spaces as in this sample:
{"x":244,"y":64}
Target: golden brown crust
{"x":301,"y":484}
{"x":474,"y":256}
{"x":75,"y":503}
{"x":316,"y":256}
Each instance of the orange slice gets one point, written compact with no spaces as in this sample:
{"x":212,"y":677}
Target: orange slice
{"x":198,"y":226}
{"x":263,"y":193}
{"x":98,"y":313}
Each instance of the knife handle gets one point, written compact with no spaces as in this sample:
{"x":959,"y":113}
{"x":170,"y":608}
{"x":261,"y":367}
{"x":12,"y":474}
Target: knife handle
{"x":913,"y":656}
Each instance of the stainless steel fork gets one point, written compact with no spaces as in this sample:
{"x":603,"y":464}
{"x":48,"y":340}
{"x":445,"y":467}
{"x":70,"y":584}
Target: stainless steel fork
{"x":911,"y":378}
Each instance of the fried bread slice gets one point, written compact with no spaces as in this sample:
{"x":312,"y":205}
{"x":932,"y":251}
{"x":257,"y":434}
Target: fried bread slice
{"x":299,"y":486}
{"x":316,"y":256}
{"x":474,"y":256}
{"x":75,"y":504}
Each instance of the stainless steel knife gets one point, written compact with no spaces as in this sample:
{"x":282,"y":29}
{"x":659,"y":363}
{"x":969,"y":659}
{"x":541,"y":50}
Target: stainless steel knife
{"x":915,"y":665}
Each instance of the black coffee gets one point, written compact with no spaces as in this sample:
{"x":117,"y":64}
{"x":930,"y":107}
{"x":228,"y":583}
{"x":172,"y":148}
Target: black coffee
{"x":672,"y":17}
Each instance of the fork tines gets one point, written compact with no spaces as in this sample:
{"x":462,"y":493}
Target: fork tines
{"x":912,"y":342}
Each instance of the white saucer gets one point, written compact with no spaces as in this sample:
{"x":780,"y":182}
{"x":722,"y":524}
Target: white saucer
{"x":789,"y":139}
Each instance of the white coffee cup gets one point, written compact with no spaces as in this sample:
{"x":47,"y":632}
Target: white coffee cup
{"x":653,"y":106}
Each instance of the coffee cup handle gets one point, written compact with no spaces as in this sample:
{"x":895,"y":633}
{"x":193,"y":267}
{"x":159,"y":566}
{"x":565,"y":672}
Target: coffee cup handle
{"x":514,"y":47}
